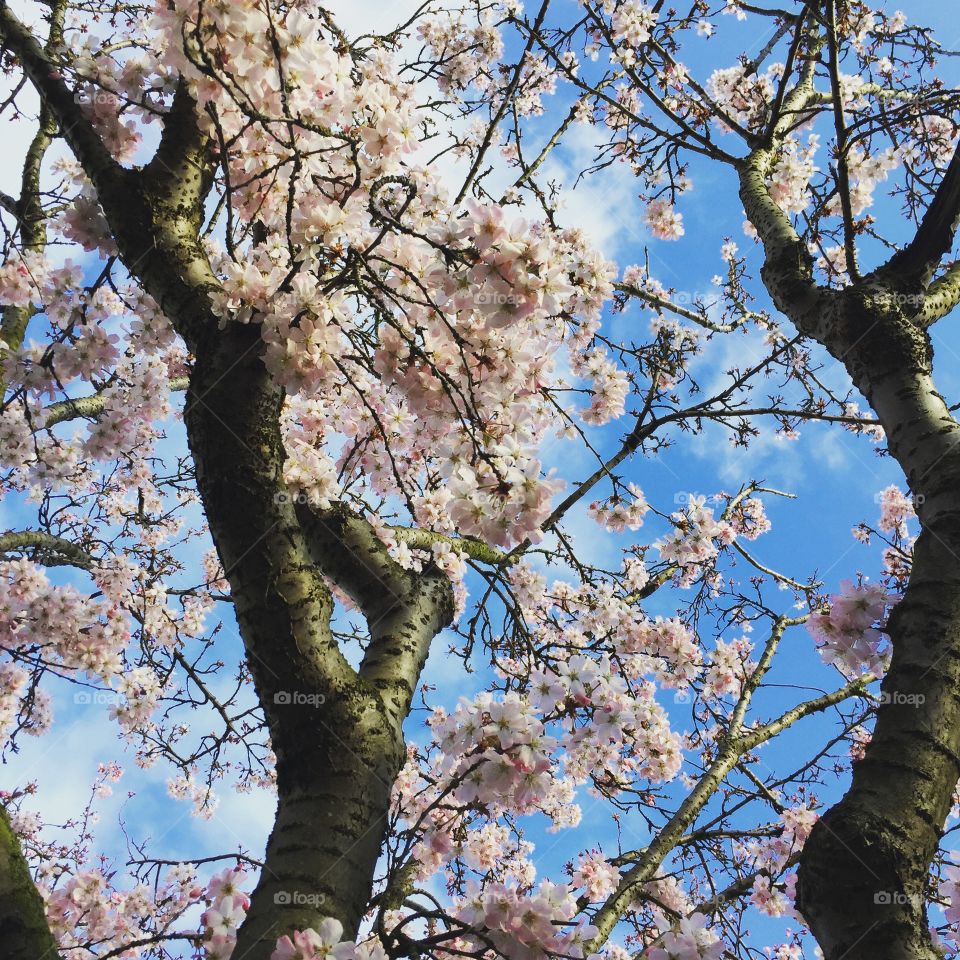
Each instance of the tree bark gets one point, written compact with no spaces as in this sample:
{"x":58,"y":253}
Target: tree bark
{"x":336,"y":732}
{"x":863,"y":873}
{"x":24,"y":933}
{"x":863,"y":877}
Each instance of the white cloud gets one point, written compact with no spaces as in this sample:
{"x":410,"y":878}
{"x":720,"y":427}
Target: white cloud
{"x":604,"y":204}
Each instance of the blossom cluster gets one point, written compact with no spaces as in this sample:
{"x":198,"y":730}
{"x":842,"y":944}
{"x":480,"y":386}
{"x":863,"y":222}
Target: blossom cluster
{"x":85,"y":908}
{"x":474,"y":306}
{"x":580,"y":722}
{"x":691,"y":939}
{"x":771,"y":854}
{"x":228,"y":906}
{"x":466,"y":51}
{"x":525,"y":926}
{"x":896,"y":509}
{"x":949,"y":891}
{"x":618,"y":514}
{"x":78,"y":635}
{"x":326,"y":941}
{"x":696,"y":538}
{"x":846,"y":632}
{"x":497,"y":751}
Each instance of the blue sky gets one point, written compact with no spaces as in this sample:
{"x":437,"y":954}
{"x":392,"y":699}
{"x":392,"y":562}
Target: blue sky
{"x":834,"y":475}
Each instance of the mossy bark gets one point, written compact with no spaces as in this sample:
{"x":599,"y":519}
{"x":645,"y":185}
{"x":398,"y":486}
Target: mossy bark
{"x":863,"y":876}
{"x":24,"y":933}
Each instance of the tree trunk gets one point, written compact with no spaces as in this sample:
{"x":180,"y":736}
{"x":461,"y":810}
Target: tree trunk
{"x":24,"y":934}
{"x":864,"y":871}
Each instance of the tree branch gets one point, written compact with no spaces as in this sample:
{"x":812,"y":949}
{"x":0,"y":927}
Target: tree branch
{"x":44,"y":73}
{"x":52,"y":550}
{"x":28,"y":210}
{"x":941,"y":297}
{"x":914,"y":265}
{"x":475,"y":549}
{"x":730,"y":750}
{"x":788,"y":267}
{"x":90,"y":406}
{"x":404,"y":610}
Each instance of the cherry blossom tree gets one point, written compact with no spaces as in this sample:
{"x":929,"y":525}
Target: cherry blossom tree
{"x":298,"y":336}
